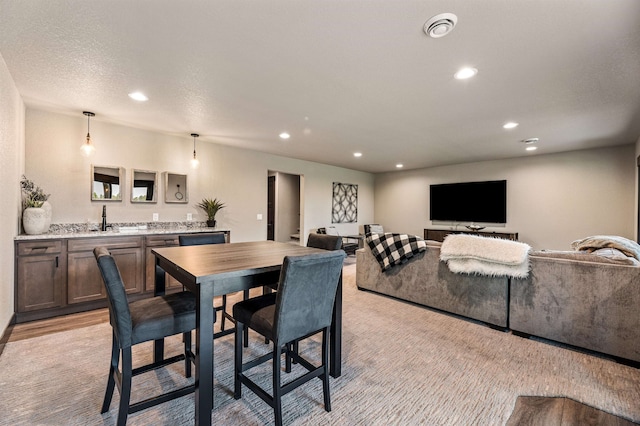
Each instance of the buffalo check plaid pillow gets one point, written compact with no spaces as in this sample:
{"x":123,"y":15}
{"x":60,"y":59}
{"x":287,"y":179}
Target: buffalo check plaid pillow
{"x":394,"y":249}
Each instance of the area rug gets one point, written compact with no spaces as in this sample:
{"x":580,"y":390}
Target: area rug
{"x":402,"y":365}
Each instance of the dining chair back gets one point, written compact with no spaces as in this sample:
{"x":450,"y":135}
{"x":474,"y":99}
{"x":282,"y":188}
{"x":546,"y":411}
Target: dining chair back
{"x":137,"y":322}
{"x":201,"y":239}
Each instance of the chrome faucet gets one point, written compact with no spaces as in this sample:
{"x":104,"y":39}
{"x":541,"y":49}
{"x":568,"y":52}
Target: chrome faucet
{"x":104,"y":218}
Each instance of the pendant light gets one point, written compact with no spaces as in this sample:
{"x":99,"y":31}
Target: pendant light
{"x":87,"y":147}
{"x":194,"y":161}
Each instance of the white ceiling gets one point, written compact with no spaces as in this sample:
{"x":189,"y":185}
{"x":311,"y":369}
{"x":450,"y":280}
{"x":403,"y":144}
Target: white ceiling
{"x":339,"y":75}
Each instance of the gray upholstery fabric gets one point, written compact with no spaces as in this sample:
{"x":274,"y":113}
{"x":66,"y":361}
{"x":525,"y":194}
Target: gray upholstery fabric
{"x":585,"y":304}
{"x":427,"y":281}
{"x":146,"y":319}
{"x":303,"y":303}
{"x":257,"y":313}
{"x":162,"y":316}
{"x":306,"y":293}
{"x":325,"y":242}
{"x":201,"y":239}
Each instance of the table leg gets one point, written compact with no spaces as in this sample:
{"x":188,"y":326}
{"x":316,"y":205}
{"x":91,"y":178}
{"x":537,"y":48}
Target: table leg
{"x":335,"y":336}
{"x":159,"y":290}
{"x":204,"y":355}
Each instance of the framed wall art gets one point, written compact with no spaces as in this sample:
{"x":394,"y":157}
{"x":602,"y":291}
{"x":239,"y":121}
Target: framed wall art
{"x":345,"y":203}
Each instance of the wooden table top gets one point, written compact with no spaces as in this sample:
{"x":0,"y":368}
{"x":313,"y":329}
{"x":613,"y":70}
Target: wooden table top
{"x":230,"y":260}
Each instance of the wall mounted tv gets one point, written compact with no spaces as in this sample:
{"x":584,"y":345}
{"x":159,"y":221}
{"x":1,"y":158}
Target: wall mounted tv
{"x":475,"y":202}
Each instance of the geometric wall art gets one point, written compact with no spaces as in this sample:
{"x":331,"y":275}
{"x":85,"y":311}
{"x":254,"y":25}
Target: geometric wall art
{"x":345,"y":203}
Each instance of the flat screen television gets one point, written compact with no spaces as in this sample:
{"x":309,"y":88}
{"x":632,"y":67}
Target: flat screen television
{"x":476,"y":202}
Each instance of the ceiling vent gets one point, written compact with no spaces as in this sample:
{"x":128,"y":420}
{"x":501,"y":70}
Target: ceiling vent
{"x":530,"y":141}
{"x":440,"y":25}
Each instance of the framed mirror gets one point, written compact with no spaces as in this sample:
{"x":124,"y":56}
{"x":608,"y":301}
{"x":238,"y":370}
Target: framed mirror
{"x":106,"y":183}
{"x":175,"y":188}
{"x":144,"y":186}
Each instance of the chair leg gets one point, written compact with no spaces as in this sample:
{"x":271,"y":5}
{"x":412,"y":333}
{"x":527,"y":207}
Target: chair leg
{"x":224,"y":310}
{"x":325,"y":373}
{"x":245,"y":296}
{"x":125,"y":390}
{"x":288,"y":358}
{"x":111,"y":381}
{"x":277,"y":390}
{"x":237,"y":385}
{"x":186,"y":337}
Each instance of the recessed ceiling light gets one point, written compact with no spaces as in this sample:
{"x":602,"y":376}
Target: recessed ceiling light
{"x":138,"y":96}
{"x":357,"y":154}
{"x":440,"y":25}
{"x":510,"y":125}
{"x":399,"y":165}
{"x":531,"y":148}
{"x":465,"y":73}
{"x":284,"y":135}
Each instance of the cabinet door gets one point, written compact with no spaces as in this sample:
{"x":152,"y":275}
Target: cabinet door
{"x":84,"y":282}
{"x":40,"y":282}
{"x":150,"y":276}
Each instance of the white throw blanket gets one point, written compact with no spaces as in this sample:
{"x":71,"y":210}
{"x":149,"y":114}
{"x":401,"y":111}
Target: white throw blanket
{"x":470,"y":254}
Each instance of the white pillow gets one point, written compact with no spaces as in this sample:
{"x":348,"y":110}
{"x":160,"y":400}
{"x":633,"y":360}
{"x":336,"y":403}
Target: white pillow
{"x":331,"y":230}
{"x":628,"y":247}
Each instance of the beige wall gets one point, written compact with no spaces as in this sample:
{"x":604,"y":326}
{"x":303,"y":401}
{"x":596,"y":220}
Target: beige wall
{"x":236,"y":176}
{"x":11,"y":166}
{"x":551,"y":199}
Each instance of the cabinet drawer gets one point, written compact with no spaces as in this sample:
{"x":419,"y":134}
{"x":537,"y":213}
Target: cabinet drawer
{"x":88,"y":244}
{"x":162,"y":240}
{"x":39,"y":247}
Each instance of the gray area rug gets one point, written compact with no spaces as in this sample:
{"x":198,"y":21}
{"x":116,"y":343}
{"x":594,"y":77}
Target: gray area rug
{"x":403,"y":365}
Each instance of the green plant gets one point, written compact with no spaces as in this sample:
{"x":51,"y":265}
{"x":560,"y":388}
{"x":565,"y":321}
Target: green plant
{"x":34,"y":196}
{"x":211,"y":207}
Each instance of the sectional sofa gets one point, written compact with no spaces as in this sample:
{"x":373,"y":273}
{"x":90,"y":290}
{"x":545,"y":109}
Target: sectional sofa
{"x":580,"y":299}
{"x":584,"y":300}
{"x":427,"y":281}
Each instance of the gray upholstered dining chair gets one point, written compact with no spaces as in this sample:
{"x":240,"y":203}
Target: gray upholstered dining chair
{"x":211,"y":238}
{"x":137,"y":322}
{"x":303,"y":307}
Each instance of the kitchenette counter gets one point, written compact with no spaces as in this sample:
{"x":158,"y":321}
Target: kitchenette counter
{"x":57,"y":274}
{"x":68,"y":231}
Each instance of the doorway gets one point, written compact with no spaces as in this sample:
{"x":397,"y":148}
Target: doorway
{"x":284,"y":219}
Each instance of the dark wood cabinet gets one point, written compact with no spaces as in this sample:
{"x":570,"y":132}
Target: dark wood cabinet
{"x":60,"y":276}
{"x":40,"y":275}
{"x":157,"y":241}
{"x":84,"y":282}
{"x":439,"y":234}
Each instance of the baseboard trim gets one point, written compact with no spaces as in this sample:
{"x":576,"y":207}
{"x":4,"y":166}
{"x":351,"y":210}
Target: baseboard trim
{"x":7,"y":333}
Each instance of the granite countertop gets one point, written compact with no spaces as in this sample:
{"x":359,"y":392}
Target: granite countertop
{"x":73,"y":230}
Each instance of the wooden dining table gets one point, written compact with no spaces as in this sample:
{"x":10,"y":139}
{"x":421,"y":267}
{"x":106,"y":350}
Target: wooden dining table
{"x":218,"y":269}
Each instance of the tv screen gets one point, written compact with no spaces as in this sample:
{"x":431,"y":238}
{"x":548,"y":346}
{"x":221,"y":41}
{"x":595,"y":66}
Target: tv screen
{"x":469,"y":202}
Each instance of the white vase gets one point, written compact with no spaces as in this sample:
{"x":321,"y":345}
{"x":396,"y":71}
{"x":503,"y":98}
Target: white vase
{"x":47,"y":209}
{"x":34,"y":220}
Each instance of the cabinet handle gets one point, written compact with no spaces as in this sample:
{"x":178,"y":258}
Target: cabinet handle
{"x":56,"y":261}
